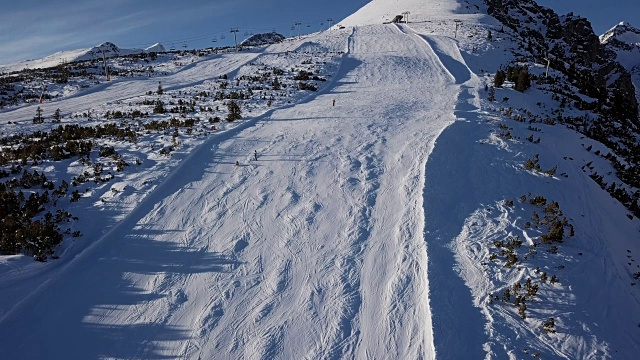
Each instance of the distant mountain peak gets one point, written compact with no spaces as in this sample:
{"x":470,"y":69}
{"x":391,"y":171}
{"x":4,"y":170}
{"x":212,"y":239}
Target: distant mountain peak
{"x":107,"y":44}
{"x":623,"y":32}
{"x":106,"y":49}
{"x":157,"y":47}
{"x":624,"y":40}
{"x":109,"y":49}
{"x":262,"y":39}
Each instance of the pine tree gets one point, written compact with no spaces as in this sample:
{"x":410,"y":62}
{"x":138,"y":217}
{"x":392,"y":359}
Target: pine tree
{"x":522,"y":310}
{"x":506,"y":296}
{"x":549,"y":325}
{"x":235,"y":112}
{"x":159,"y":108}
{"x":57,"y":116}
{"x":499,"y":79}
{"x":38,"y":119}
{"x":523,"y":80}
{"x":492,"y":94}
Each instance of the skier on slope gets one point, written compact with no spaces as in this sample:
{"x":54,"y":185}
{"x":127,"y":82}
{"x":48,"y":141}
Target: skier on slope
{"x":255,"y":154}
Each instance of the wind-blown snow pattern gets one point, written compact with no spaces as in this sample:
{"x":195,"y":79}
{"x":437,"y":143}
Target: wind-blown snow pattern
{"x":358,"y":232}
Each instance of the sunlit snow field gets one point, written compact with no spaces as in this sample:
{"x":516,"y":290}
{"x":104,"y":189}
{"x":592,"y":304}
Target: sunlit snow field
{"x":364,"y":229}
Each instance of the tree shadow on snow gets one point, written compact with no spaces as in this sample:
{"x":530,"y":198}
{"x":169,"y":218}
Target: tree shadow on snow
{"x":117,"y":298}
{"x":100,"y":310}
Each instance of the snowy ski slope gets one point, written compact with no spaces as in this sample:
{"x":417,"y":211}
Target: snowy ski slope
{"x":292,"y":255}
{"x":358,"y":232}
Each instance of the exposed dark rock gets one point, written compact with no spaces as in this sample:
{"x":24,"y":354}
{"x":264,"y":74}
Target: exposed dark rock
{"x":397,"y":19}
{"x":575,"y":50}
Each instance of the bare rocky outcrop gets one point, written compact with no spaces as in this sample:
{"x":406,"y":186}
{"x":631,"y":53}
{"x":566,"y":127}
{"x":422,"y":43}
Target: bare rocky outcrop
{"x":575,"y":50}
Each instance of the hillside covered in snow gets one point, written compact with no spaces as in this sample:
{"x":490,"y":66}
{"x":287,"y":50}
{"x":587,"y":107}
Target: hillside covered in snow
{"x":99,"y":52}
{"x":262,"y":39}
{"x":461,"y":184}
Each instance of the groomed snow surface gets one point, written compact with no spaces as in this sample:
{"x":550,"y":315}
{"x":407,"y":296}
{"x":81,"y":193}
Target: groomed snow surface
{"x":360,"y":232}
{"x":293,"y":255}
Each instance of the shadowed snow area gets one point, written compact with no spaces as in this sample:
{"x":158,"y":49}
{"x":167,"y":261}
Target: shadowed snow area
{"x":357,"y":233}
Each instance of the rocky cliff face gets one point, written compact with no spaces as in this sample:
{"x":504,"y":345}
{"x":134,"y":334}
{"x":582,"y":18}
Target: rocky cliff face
{"x":624,"y":40}
{"x":598,"y":67}
{"x":574,"y":49}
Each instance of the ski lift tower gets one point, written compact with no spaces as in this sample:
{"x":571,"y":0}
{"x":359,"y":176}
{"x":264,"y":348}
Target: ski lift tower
{"x":235,"y":38}
{"x":106,"y":68}
{"x":330,"y":20}
{"x":406,"y":16}
{"x":458,"y":23}
{"x":44,"y":88}
{"x":298,"y":23}
{"x":548,"y":60}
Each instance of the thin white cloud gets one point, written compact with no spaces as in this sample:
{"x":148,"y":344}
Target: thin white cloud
{"x":32,"y":28}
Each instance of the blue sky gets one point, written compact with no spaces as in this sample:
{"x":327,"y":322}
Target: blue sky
{"x":602,"y":14}
{"x":32,"y":29}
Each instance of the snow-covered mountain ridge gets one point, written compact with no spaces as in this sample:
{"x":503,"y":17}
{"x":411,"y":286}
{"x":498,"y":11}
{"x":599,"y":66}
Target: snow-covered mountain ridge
{"x":106,"y":49}
{"x":401,"y":191}
{"x":624,"y":41}
{"x":262,"y":39}
{"x":624,"y":33}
